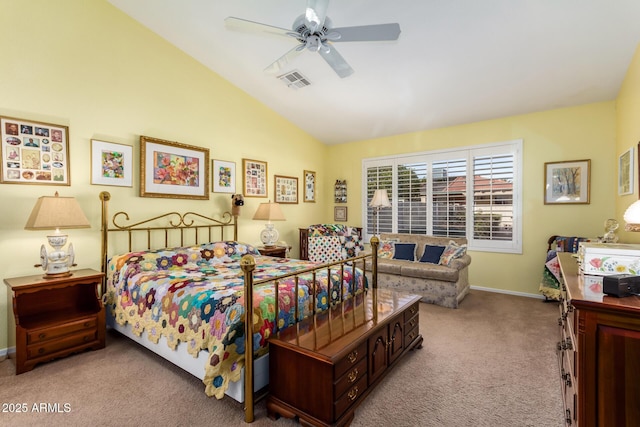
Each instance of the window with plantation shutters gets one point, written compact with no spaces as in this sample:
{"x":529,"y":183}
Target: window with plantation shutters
{"x":470,"y":192}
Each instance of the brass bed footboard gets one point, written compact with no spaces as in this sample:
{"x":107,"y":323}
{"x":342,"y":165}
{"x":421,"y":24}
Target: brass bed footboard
{"x":190,"y":228}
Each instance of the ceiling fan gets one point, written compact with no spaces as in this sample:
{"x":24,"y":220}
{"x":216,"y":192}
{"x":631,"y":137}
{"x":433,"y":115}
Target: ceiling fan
{"x":314,"y":31}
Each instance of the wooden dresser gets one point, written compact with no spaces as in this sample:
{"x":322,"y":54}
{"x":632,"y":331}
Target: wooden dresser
{"x":321,"y":369}
{"x":598,"y":352}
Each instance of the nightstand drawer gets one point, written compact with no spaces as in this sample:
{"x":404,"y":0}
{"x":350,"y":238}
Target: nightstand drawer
{"x":44,"y":334}
{"x":44,"y":348}
{"x":411,"y":311}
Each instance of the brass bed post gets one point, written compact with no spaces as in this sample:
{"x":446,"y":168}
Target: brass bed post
{"x":374,"y":262}
{"x":105,"y":196}
{"x":248,"y":264}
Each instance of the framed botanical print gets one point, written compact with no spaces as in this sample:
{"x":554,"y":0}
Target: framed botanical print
{"x":34,"y":152}
{"x":309,"y":186}
{"x":173,"y":170}
{"x":286,"y":189}
{"x":254,"y":178}
{"x":111,"y":163}
{"x":567,"y":182}
{"x":625,"y":172}
{"x":224,"y":176}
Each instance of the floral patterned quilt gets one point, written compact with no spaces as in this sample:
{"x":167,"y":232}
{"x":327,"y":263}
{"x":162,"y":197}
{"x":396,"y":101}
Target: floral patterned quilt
{"x":195,"y":295}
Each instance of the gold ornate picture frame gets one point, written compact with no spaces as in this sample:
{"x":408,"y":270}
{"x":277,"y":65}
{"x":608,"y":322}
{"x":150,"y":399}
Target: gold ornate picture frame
{"x":34,"y":152}
{"x":173,"y":170}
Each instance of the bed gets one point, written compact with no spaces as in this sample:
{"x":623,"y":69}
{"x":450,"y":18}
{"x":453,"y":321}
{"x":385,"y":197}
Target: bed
{"x":177,"y":285}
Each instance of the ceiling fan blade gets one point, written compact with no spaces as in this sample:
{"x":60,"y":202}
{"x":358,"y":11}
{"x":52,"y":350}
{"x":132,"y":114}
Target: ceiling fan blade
{"x":366,"y":33}
{"x":315,"y":14}
{"x":285,"y":59}
{"x":240,"y":24}
{"x":335,"y":60}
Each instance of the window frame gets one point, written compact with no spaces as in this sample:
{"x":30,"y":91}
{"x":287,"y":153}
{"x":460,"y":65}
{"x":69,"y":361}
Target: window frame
{"x":512,"y":148}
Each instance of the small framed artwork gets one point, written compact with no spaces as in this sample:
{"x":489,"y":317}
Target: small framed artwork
{"x":286,"y":189}
{"x":254,"y":178}
{"x":309,"y":186}
{"x":567,"y":182}
{"x":111,"y":163}
{"x":340,"y":213}
{"x":173,"y":170}
{"x":625,"y":172}
{"x":224,"y":176}
{"x":34,"y":152}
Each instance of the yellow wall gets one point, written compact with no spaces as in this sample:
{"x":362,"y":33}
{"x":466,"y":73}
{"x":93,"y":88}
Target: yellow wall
{"x":87,"y":65}
{"x":628,"y":122}
{"x":585,"y":132}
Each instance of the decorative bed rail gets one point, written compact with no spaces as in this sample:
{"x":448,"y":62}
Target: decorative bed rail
{"x":192,"y":229}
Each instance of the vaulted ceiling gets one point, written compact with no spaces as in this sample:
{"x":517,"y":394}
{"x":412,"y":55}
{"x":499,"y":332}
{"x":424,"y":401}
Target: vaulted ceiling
{"x":455,"y":61}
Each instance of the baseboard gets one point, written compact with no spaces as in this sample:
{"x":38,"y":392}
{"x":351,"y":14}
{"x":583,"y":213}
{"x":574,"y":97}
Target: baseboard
{"x":6,"y":352}
{"x":502,"y":291}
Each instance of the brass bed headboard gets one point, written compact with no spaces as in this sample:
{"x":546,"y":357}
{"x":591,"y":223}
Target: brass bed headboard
{"x":191,"y":229}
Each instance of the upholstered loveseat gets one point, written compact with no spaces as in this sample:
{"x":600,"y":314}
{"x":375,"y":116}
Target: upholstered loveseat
{"x":444,"y":285}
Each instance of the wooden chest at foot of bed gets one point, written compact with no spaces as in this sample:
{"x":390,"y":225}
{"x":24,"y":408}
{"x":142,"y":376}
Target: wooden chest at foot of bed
{"x":321,"y":369}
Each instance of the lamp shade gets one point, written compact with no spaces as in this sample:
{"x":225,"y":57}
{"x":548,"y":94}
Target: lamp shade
{"x":380,"y":199}
{"x":51,"y":213}
{"x":269,"y":212}
{"x":632,"y":217}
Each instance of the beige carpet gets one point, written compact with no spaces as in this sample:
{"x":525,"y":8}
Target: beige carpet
{"x":489,"y":363}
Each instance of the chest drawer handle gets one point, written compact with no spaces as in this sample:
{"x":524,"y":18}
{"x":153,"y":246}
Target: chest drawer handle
{"x":87,"y":324}
{"x":353,"y":393}
{"x":41,"y":350}
{"x":353,"y":356}
{"x":86,"y":338}
{"x":42,"y":335}
{"x":353,"y":375}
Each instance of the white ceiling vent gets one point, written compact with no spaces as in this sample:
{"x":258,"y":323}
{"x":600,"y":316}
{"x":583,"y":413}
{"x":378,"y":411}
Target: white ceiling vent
{"x":294,"y":79}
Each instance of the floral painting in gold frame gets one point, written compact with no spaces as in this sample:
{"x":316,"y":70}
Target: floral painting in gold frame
{"x":173,"y":170}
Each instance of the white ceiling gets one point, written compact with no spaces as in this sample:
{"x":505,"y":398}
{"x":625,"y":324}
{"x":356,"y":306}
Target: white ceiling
{"x":455,"y":62}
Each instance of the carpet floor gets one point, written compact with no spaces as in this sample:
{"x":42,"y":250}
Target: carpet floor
{"x":491,"y":362}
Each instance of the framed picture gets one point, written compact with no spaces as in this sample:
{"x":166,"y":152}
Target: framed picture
{"x":111,"y":163}
{"x":174,"y":170}
{"x":309,"y":186}
{"x":567,"y":182}
{"x":224,"y":176}
{"x":340,"y":213}
{"x":625,"y":172}
{"x":34,"y":152}
{"x":254,"y":178}
{"x":286,"y":189}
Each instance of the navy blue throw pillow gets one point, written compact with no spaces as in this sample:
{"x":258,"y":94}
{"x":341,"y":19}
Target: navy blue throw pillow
{"x":405,"y":251}
{"x":432,"y":254}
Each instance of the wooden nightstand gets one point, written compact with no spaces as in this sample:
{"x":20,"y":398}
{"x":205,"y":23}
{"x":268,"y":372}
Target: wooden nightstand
{"x":276,"y":251}
{"x":56,"y":317}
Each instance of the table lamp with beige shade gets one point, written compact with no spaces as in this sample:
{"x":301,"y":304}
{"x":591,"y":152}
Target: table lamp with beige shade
{"x":269,"y":212}
{"x":55,"y":213}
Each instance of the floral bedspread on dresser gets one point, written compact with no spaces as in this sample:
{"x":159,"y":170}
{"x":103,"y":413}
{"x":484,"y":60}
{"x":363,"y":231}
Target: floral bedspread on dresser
{"x":195,"y":295}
